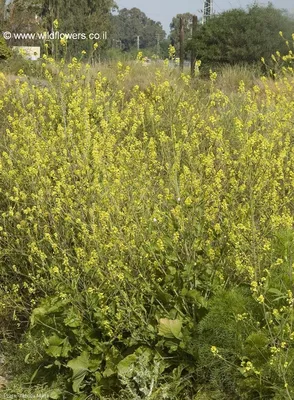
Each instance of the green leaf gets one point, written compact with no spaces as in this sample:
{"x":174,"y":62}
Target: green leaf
{"x":55,"y":344}
{"x":170,"y":328}
{"x":55,"y":340}
{"x":35,"y":374}
{"x":171,"y":345}
{"x":79,"y":367}
{"x":66,"y":348}
{"x":54,"y":351}
{"x":95,"y":363}
{"x":77,"y":381}
{"x":57,"y":347}
{"x":276,"y":291}
{"x":97,"y":390}
{"x":26,"y":360}
{"x":195,"y":295}
{"x":124,"y":366}
{"x":72,"y":319}
{"x":108,"y":372}
{"x":37,"y":314}
{"x":55,"y":394}
{"x":172,"y":271}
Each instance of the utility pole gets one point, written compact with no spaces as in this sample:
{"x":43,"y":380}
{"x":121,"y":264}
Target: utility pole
{"x":138,"y":42}
{"x":181,"y":44}
{"x":193,"y":50}
{"x":207,"y":10}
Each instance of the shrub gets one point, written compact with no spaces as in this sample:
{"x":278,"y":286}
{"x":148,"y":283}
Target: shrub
{"x":5,"y":51}
{"x":243,"y":36}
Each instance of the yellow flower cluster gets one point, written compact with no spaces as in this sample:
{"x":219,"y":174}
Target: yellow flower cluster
{"x":125,"y":184}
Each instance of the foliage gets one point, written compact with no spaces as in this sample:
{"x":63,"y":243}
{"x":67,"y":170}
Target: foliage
{"x":5,"y":51}
{"x":17,"y":62}
{"x":243,"y":36}
{"x":146,"y":233}
{"x":128,"y":24}
{"x":2,"y":12}
{"x":21,"y":17}
{"x":175,"y":31}
{"x":40,"y":16}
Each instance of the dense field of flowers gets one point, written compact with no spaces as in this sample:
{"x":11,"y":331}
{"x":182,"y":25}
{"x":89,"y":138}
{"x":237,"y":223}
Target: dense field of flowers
{"x":146,"y":235}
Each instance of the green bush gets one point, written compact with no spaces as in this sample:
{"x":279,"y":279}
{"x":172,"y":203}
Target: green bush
{"x":5,"y":51}
{"x":243,"y":36}
{"x":16,"y":62}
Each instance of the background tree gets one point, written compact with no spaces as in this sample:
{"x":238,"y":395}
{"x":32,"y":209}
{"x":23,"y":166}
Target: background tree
{"x":80,"y":16}
{"x":243,"y":36}
{"x":129,"y":24}
{"x":2,"y":10}
{"x":175,"y":30}
{"x":22,"y":15}
{"x":5,"y":52}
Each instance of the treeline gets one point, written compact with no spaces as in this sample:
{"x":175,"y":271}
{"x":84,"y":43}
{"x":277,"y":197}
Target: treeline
{"x":82,"y":16}
{"x":126,"y":29}
{"x":238,"y":35}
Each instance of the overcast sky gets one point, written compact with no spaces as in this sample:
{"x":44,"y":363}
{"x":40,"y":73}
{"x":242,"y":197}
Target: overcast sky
{"x":165,"y":10}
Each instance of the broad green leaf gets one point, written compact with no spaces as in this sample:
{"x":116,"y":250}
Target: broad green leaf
{"x":54,"y":351}
{"x":57,"y":347}
{"x":170,"y":328}
{"x":171,"y":345}
{"x":95,"y":363}
{"x":98,"y":376}
{"x":37,"y":314}
{"x":80,"y":363}
{"x":124,"y":366}
{"x":55,"y":340}
{"x":97,"y":390}
{"x":108,"y":372}
{"x":55,"y":394}
{"x":66,"y":348}
{"x":72,"y":319}
{"x":77,"y":381}
{"x":79,"y":367}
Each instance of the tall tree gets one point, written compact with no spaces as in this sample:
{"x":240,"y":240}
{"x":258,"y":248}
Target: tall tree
{"x":2,"y":11}
{"x":5,"y":52}
{"x":175,"y":30}
{"x":75,"y":14}
{"x":243,"y":35}
{"x":129,"y":24}
{"x":79,"y":16}
{"x":22,"y":15}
